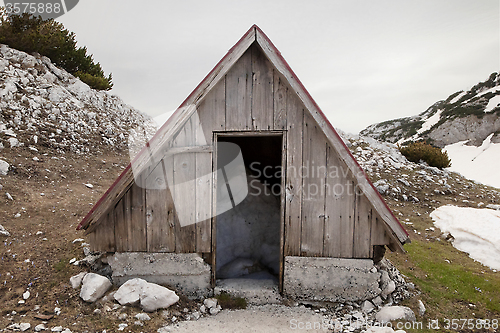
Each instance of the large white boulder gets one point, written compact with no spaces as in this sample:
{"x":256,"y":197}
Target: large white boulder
{"x":129,"y":292}
{"x":155,"y":297}
{"x":390,"y":313}
{"x":150,"y":296}
{"x":94,"y":287}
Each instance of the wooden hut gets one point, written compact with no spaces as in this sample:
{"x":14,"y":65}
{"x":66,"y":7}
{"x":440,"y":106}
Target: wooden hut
{"x":253,"y":99}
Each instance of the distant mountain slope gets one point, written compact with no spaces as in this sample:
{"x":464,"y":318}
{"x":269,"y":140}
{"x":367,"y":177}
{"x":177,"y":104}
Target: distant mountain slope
{"x":41,"y":104}
{"x":470,"y":116}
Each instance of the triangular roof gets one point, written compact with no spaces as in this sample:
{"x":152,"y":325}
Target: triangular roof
{"x":254,"y":35}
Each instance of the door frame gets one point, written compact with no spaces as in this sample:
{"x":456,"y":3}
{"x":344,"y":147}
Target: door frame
{"x":215,"y":139}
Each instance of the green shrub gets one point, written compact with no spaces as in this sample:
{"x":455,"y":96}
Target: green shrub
{"x":30,"y":34}
{"x":421,"y":151}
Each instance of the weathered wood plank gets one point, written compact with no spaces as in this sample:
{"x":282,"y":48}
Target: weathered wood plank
{"x":335,"y":185}
{"x":203,"y":199}
{"x":280,"y":100}
{"x":293,"y":187}
{"x":262,"y":91}
{"x":313,"y":193}
{"x":362,"y":227}
{"x":212,"y":110}
{"x":379,"y":234}
{"x":159,"y":215}
{"x":184,"y":191}
{"x":347,"y":220}
{"x":282,"y":214}
{"x":239,"y":94}
{"x":121,"y":231}
{"x":138,"y":218}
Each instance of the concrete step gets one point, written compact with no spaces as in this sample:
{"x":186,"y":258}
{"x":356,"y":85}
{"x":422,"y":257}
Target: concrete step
{"x":256,"y":292}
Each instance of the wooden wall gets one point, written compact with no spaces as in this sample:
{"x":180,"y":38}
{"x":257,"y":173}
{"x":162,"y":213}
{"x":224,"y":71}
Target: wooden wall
{"x":324,"y":214}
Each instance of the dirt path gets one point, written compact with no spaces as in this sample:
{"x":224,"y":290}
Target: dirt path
{"x":266,"y":318}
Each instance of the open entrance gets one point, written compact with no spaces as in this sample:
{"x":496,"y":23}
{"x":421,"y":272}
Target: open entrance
{"x":248,"y":236}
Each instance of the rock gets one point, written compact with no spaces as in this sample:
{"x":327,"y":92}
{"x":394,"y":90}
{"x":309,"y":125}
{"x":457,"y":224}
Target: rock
{"x":215,"y":310}
{"x":40,"y":327}
{"x":89,"y":185}
{"x":203,"y":309}
{"x":57,"y":311}
{"x":122,"y":326}
{"x":210,"y":303}
{"x":24,"y":326}
{"x":4,"y":168}
{"x":389,"y":289}
{"x":377,"y":301}
{"x":26,"y":295}
{"x":122,"y":316}
{"x":421,"y":308}
{"x":4,"y":232}
{"x":195,"y":315}
{"x":142,"y":316}
{"x":56,"y":329}
{"x":94,"y":286}
{"x":138,"y":323}
{"x":14,"y":142}
{"x":155,"y":297}
{"x":389,"y":313}
{"x":9,"y":196}
{"x":76,"y":280}
{"x":129,"y":292}
{"x":367,"y":306}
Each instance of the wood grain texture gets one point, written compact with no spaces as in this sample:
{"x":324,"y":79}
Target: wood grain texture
{"x":347,"y":219}
{"x":362,"y":227}
{"x":212,"y":110}
{"x":335,"y":186}
{"x":239,"y":94}
{"x":293,"y":181}
{"x":184,"y":191}
{"x":121,"y":232}
{"x":280,"y":102}
{"x":262,"y":91}
{"x":313,"y":195}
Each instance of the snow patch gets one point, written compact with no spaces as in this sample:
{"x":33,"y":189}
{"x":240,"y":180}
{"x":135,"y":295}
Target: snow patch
{"x":481,"y":239}
{"x":431,"y":121}
{"x":493,"y":103}
{"x":477,"y":163}
{"x":457,"y":98}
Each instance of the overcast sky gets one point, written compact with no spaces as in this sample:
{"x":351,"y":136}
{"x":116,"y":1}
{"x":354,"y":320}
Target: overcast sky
{"x":362,"y":61}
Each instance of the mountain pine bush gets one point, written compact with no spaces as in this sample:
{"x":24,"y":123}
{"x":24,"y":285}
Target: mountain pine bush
{"x":31,"y":33}
{"x":421,"y":151}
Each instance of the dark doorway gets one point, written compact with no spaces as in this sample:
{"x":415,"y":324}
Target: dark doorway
{"x":248,"y":235}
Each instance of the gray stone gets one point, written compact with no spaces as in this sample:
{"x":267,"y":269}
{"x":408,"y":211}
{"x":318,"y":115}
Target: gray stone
{"x":215,"y":310}
{"x":377,"y":301}
{"x":76,"y":280}
{"x":24,"y":326}
{"x":255,"y":291}
{"x":367,"y":306}
{"x":210,"y":303}
{"x":40,"y":327}
{"x":389,"y":289}
{"x":4,"y":168}
{"x":94,"y":287}
{"x":129,"y":292}
{"x":390,"y":313}
{"x":3,"y":231}
{"x":14,"y":142}
{"x":187,"y":272}
{"x":155,"y":297}
{"x":142,"y":316}
{"x":421,"y":308}
{"x":330,"y":279}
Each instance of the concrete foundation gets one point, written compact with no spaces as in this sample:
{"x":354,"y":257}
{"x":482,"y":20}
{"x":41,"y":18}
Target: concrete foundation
{"x":256,"y":292}
{"x":330,"y":279}
{"x":186,"y":272}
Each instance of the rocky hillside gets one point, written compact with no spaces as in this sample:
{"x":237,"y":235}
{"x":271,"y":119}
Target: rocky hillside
{"x":470,"y":115}
{"x":42,"y":105}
